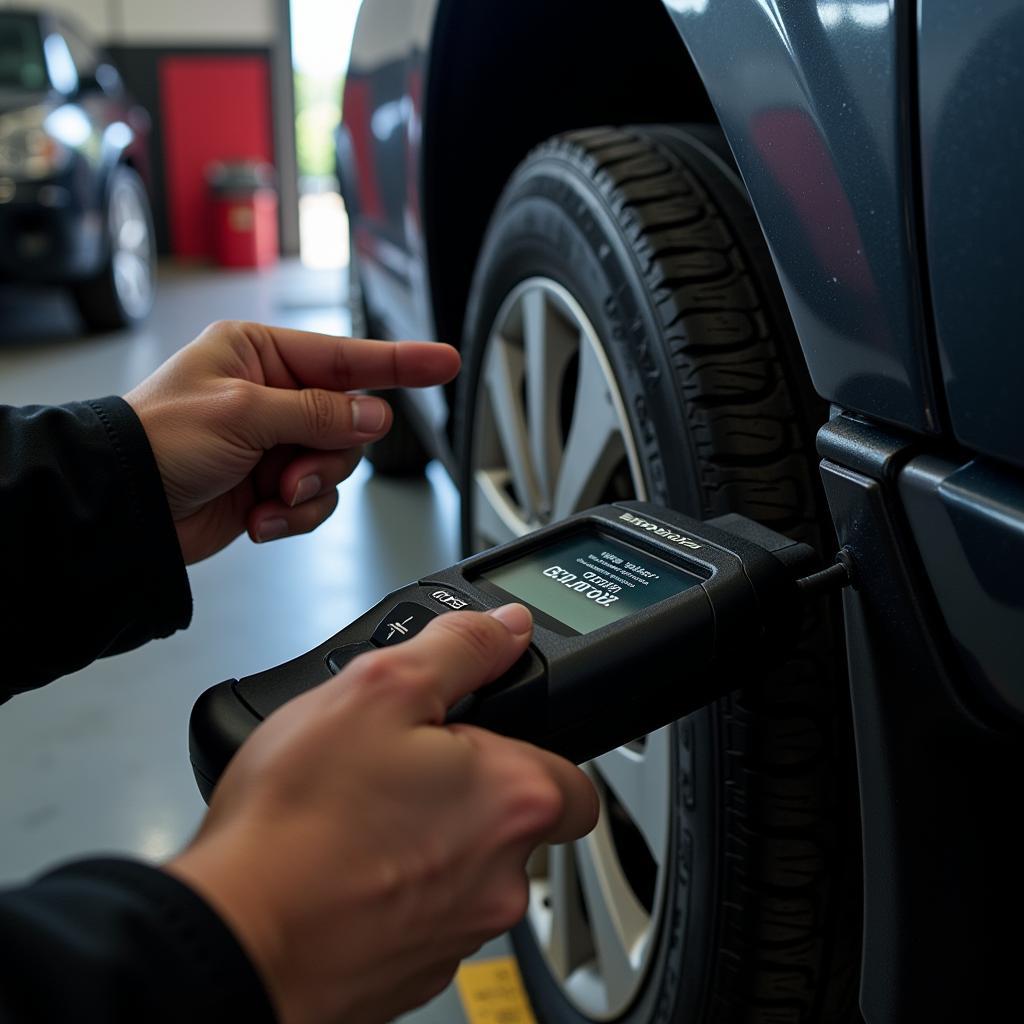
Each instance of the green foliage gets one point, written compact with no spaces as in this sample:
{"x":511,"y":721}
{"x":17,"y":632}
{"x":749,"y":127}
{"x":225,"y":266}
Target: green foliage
{"x":317,"y":113}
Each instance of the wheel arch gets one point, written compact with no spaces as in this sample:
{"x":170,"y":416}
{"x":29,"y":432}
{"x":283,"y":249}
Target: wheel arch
{"x":503,"y":79}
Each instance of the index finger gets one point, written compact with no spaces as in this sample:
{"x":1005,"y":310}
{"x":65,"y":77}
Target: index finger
{"x":580,"y":803}
{"x":347,"y":364}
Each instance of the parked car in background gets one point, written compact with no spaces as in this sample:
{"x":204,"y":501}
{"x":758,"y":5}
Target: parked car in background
{"x":753,"y":257}
{"x":73,"y":163}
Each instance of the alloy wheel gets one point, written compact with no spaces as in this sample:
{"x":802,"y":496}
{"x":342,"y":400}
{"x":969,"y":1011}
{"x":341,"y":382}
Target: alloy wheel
{"x":132,"y":249}
{"x":551,"y":436}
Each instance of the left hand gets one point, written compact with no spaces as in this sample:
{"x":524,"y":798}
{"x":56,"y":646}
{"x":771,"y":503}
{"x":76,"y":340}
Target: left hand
{"x":253,"y":429}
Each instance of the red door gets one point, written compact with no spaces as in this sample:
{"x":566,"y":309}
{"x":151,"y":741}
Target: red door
{"x":213,"y":108}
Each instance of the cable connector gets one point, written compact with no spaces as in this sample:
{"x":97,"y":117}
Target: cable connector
{"x":835,"y":577}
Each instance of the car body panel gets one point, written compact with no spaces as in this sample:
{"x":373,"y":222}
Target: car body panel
{"x":968,"y":522}
{"x":811,"y":101}
{"x":52,"y":231}
{"x":379,"y":158}
{"x":972,"y":146}
{"x":938,"y":783}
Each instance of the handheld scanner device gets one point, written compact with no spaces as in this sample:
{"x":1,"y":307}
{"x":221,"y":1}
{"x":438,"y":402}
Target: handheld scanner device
{"x":641,"y":615}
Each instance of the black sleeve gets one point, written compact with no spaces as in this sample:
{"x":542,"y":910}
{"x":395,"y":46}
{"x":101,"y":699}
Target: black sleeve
{"x":91,"y":562}
{"x":116,"y":941}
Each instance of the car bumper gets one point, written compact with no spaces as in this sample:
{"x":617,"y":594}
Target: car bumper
{"x":46,"y":235}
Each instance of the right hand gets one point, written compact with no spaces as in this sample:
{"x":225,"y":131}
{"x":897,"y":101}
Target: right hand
{"x":359,"y":849}
{"x":253,"y":427}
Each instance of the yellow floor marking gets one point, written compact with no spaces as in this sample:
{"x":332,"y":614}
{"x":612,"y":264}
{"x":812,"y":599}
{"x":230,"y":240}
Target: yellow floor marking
{"x":492,"y":992}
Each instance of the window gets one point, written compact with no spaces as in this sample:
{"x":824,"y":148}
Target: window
{"x":21,"y":53}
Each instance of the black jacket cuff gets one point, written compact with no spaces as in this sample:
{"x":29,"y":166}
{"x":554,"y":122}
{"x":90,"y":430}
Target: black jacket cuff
{"x":117,"y":940}
{"x":90,"y":555}
{"x":164,"y":581}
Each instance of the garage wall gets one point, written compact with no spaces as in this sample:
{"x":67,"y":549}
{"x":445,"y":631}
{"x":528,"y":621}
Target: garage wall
{"x":94,"y":15}
{"x":244,"y":42}
{"x":233,"y":22}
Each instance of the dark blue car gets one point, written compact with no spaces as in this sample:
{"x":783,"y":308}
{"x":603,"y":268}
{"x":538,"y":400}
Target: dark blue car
{"x":755,"y":256}
{"x":73,"y":203}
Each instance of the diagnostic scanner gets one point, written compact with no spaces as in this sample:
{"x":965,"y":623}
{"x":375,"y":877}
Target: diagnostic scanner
{"x":641,"y":615}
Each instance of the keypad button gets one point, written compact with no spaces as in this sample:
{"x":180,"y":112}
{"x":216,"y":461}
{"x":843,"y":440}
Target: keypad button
{"x":404,"y":620}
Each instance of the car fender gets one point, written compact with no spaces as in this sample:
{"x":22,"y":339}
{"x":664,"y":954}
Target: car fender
{"x":816,"y":103}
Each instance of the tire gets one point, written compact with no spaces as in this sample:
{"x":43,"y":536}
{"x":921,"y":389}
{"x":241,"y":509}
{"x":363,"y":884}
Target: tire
{"x":122,"y":294}
{"x":644,"y":237}
{"x":400,"y":453}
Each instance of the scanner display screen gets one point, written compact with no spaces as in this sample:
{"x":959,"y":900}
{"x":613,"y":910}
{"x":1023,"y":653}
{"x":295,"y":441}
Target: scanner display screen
{"x":587,"y":580}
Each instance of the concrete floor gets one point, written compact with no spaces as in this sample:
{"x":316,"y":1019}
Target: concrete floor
{"x":98,"y":762}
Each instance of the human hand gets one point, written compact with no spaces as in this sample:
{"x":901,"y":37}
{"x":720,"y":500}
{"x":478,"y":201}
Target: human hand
{"x":360,"y":849}
{"x":252,"y":428}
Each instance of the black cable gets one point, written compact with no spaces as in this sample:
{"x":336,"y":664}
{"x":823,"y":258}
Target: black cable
{"x":835,"y":577}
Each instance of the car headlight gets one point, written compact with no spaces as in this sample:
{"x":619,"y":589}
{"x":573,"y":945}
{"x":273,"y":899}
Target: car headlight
{"x":27,"y":149}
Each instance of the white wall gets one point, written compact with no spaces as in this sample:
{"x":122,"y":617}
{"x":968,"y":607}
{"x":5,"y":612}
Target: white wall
{"x":93,"y":15}
{"x":159,"y":22}
{"x":182,"y":21}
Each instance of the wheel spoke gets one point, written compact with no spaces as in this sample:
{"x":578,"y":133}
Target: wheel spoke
{"x":132,"y":235}
{"x":496,"y":520}
{"x":640,"y":781}
{"x":569,"y":940}
{"x":133,"y":271}
{"x":504,"y":378}
{"x":548,"y":346}
{"x":618,"y":921}
{"x":595,"y":445}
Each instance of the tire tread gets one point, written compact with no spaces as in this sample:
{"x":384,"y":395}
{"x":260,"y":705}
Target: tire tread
{"x":789,"y":886}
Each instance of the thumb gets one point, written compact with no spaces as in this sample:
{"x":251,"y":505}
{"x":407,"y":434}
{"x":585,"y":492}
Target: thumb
{"x":318,"y":418}
{"x":460,"y":652}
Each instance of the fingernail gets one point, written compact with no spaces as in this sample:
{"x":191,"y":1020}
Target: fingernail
{"x":368,"y":414}
{"x":308,"y":487}
{"x":271,"y":529}
{"x":516,"y":619}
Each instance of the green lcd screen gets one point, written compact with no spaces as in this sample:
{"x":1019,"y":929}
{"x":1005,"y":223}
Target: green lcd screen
{"x":588,"y":580}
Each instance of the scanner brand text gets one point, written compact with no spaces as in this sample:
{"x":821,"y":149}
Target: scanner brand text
{"x":659,"y":531}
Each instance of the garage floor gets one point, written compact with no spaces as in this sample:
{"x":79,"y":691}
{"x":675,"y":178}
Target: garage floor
{"x":97,"y":762}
